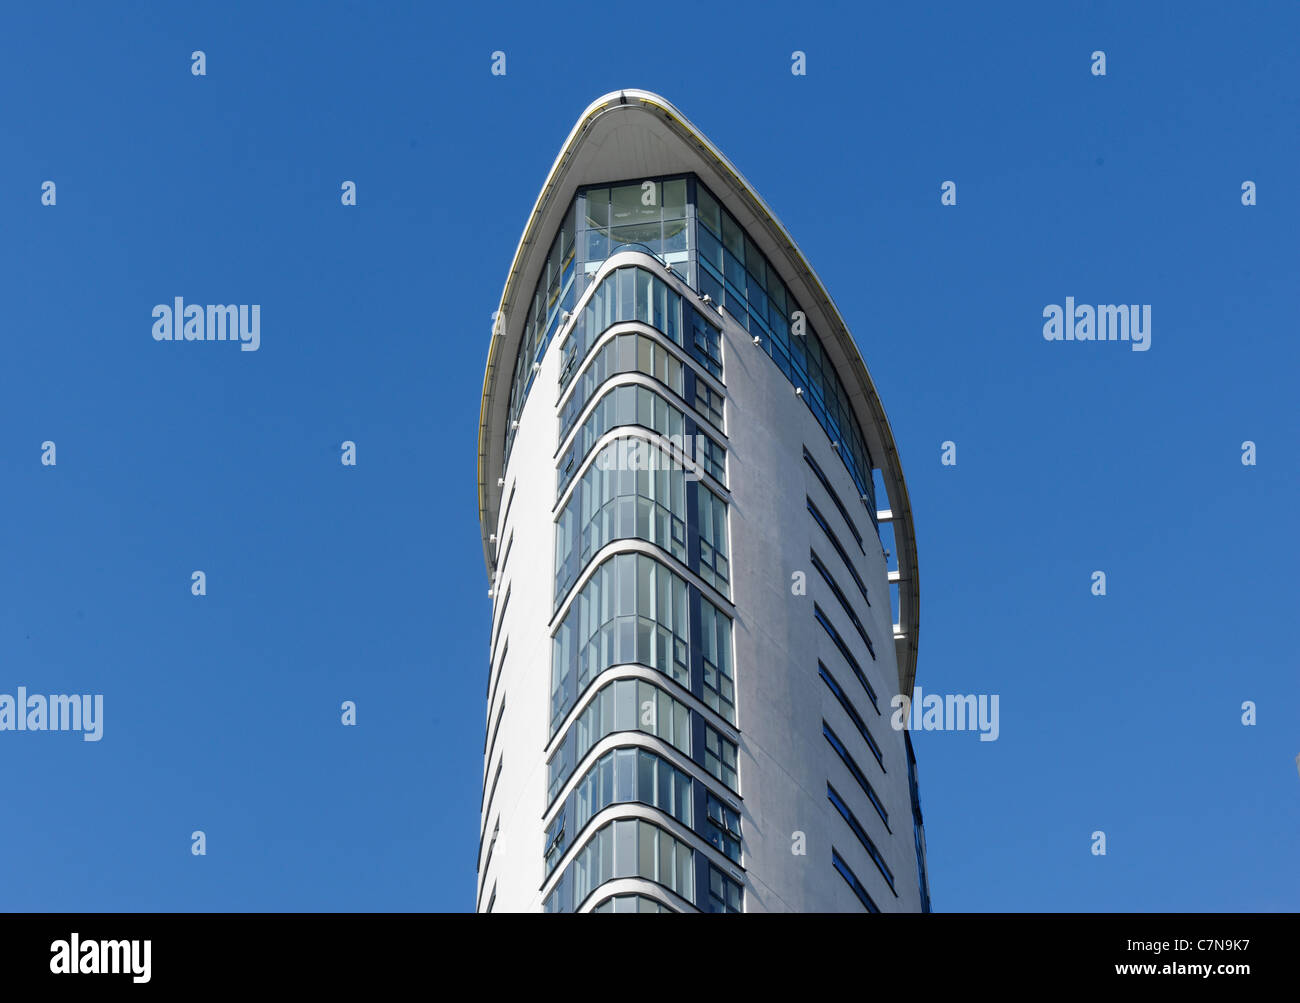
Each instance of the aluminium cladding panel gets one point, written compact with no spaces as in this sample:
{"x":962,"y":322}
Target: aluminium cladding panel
{"x":525,"y":683}
{"x":785,"y":761}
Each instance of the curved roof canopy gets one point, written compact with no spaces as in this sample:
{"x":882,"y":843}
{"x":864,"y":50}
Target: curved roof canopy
{"x":634,"y":133}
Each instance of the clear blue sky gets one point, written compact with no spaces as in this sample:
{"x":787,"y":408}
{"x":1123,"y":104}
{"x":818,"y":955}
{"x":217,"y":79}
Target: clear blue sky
{"x":1119,"y":713}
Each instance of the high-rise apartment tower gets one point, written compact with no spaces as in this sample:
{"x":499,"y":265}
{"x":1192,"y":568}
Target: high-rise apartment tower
{"x":684,"y":474}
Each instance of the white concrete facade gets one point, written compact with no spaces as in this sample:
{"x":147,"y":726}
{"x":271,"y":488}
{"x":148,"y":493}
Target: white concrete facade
{"x":785,"y":762}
